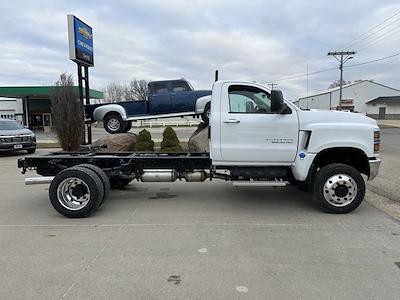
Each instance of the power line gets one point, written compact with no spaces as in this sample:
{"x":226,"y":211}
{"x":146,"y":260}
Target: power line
{"x":372,"y":61}
{"x":356,"y":40}
{"x":372,"y":35}
{"x":301,"y":75}
{"x":383,"y":36}
{"x":332,"y":69}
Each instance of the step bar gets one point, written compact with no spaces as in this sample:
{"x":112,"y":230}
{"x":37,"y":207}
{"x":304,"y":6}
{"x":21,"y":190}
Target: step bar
{"x":273,"y":183}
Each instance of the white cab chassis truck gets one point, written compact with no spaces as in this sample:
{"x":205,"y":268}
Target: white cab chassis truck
{"x":256,"y":139}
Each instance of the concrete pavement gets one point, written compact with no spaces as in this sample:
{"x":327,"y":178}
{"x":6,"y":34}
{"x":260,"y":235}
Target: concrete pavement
{"x":193,"y":241}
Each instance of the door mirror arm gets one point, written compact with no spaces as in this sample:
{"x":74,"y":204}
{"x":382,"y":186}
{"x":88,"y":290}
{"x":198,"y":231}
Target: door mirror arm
{"x":284,"y":110}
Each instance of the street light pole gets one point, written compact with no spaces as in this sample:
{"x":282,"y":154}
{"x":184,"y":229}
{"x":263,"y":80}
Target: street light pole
{"x":344,"y":56}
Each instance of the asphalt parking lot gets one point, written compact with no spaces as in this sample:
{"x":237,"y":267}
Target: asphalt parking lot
{"x":196,"y":241}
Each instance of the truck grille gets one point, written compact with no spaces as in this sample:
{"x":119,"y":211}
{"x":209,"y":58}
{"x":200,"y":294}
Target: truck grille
{"x":15,"y":139}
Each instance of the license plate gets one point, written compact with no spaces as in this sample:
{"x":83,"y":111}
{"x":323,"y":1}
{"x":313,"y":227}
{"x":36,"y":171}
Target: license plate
{"x":17,"y":146}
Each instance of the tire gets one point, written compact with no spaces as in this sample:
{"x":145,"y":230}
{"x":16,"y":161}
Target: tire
{"x":63,"y":186}
{"x":119,"y":182}
{"x":31,"y":151}
{"x":113,"y":123}
{"x":205,"y":116}
{"x":338,"y":188}
{"x":103,"y":177}
{"x":127,"y":126}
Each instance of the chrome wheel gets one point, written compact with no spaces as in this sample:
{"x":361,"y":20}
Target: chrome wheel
{"x":340,"y":190}
{"x":113,"y":124}
{"x":208,"y":113}
{"x":73,"y":193}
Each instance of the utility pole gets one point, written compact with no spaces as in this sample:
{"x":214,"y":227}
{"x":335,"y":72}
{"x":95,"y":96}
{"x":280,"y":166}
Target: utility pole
{"x":341,"y":57}
{"x":272,"y":85}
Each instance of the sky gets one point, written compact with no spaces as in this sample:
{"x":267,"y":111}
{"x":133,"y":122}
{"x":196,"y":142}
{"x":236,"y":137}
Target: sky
{"x":258,"y":40}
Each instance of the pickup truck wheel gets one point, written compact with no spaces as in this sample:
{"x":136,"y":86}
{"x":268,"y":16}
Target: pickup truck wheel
{"x":338,"y":188}
{"x":113,"y":123}
{"x":76,"y":192}
{"x":205,"y":116}
{"x":103,"y":177}
{"x":127,"y":126}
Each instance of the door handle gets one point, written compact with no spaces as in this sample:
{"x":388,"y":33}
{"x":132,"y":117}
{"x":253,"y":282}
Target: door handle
{"x":232,"y":121}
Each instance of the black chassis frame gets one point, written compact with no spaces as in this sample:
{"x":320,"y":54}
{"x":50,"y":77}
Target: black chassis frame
{"x":116,"y":163}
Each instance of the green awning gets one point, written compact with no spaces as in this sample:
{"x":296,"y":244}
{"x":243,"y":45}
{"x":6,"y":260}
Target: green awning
{"x":39,"y":92}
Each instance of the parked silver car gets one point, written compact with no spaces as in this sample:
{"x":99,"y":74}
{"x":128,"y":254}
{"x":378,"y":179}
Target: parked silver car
{"x":13,"y":136}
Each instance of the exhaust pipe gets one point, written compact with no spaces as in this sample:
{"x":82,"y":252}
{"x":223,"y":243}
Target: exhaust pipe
{"x":172,"y":175}
{"x":38,"y":180}
{"x":159,"y":176}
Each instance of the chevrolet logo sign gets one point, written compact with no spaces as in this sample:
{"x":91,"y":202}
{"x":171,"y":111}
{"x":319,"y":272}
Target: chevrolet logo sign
{"x":86,"y":34}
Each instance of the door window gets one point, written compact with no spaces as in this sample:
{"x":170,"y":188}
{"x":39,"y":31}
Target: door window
{"x":248,"y":99}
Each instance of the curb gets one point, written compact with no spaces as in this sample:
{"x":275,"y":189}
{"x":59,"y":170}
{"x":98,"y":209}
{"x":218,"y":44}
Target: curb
{"x":47,"y":145}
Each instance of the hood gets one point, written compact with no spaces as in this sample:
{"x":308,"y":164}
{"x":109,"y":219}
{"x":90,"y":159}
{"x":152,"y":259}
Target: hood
{"x":314,"y":116}
{"x":21,"y":131}
{"x":202,"y":93}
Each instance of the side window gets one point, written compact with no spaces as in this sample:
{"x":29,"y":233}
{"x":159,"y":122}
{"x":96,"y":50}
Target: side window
{"x":160,"y":88}
{"x":248,"y":99}
{"x":180,"y":86}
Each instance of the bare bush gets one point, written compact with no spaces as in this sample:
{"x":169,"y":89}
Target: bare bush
{"x":68,"y":114}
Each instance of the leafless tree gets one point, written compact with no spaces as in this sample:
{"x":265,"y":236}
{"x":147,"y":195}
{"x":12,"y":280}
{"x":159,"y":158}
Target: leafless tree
{"x":68,"y":113}
{"x":337,"y":83}
{"x":136,"y":90}
{"x":114,"y":92}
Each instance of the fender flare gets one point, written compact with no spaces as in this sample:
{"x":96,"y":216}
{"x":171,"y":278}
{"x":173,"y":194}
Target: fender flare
{"x":100,"y":112}
{"x":201,"y":104}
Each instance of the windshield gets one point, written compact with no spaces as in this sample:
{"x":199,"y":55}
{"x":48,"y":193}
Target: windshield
{"x":10,"y":125}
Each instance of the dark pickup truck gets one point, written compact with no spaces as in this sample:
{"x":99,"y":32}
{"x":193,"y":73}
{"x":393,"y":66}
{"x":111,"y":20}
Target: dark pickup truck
{"x":169,"y":98}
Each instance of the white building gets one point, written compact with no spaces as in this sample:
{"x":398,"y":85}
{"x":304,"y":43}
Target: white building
{"x":11,"y":109}
{"x":374,"y":99}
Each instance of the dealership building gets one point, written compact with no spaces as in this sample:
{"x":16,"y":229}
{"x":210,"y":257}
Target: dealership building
{"x":374,"y":99}
{"x":30,"y":105}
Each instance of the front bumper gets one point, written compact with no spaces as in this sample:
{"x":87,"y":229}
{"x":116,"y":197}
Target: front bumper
{"x":5,"y":147}
{"x":374,"y":164}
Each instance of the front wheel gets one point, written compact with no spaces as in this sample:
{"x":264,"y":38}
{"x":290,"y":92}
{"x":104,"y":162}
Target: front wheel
{"x":338,"y":188}
{"x":113,"y":123}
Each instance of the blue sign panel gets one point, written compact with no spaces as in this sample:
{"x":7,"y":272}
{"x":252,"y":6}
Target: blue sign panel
{"x":80,"y":41}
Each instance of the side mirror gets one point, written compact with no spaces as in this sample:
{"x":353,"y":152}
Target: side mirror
{"x":278,"y":105}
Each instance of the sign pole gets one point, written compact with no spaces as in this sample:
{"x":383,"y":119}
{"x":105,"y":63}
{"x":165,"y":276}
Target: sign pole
{"x":87,"y":102}
{"x":80,"y":36}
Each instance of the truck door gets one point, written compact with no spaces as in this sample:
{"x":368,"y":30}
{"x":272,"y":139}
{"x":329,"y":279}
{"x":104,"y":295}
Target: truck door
{"x":182,"y":97}
{"x":250,"y":133}
{"x":160,"y":98}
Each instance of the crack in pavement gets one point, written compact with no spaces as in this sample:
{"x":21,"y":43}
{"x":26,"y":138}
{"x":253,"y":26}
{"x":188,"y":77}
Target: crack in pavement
{"x":108,"y":242}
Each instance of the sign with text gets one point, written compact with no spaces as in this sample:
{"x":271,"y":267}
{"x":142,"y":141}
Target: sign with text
{"x":80,"y":37}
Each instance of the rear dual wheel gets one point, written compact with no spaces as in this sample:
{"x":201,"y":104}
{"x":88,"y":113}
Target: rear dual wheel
{"x":78,"y":191}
